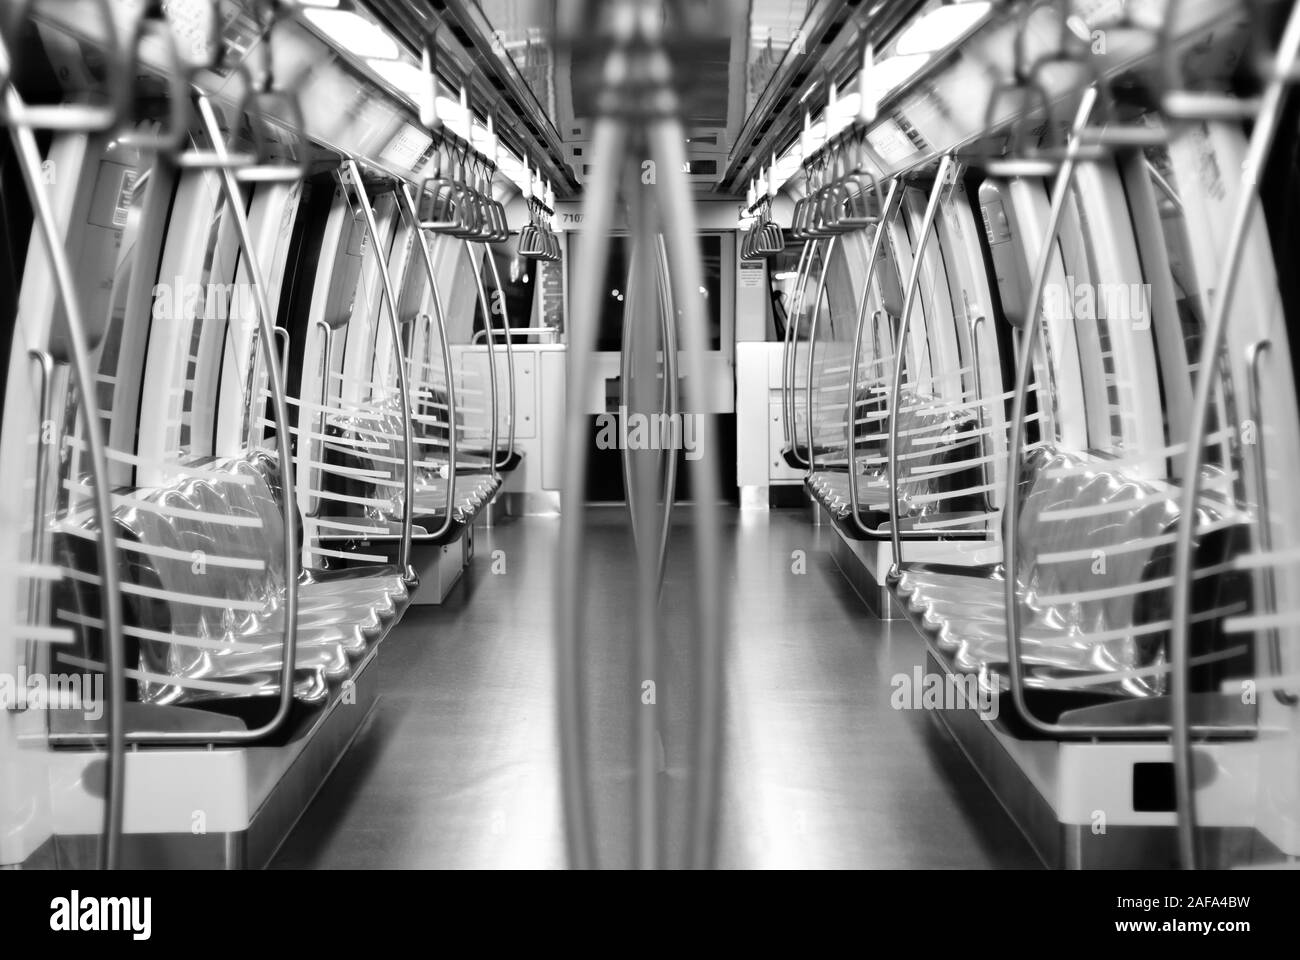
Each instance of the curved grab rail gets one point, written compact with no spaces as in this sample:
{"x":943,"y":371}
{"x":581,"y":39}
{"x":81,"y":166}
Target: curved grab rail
{"x":282,"y":342}
{"x":266,"y":327}
{"x":1011,"y":506}
{"x":510,"y":357}
{"x":36,"y":552}
{"x":791,"y":337}
{"x":634,"y":297}
{"x":942,"y":181}
{"x":112,"y":612}
{"x":598,"y":218}
{"x":893,"y":203}
{"x":1024,"y":361}
{"x":672,"y":401}
{"x":481,"y":291}
{"x":982,"y":417}
{"x":638,"y":37}
{"x":322,"y":415}
{"x":648,"y":801}
{"x":636,"y":386}
{"x":1212,"y":339}
{"x":669,"y":398}
{"x":350,"y":175}
{"x":812,"y":353}
{"x":667,"y":142}
{"x":29,"y":164}
{"x":514,"y":332}
{"x":1254,"y":353}
{"x":412,"y":217}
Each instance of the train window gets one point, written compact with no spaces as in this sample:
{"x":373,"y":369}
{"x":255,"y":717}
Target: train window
{"x":712,"y":248}
{"x":517,"y":297}
{"x":610,"y":333}
{"x":782,"y":280}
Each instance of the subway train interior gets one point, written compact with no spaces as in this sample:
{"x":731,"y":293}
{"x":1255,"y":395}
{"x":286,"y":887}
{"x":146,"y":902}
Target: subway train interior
{"x":649,"y":434}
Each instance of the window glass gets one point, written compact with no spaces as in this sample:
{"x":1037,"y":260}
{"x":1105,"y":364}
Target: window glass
{"x":614,"y":288}
{"x":518,"y":277}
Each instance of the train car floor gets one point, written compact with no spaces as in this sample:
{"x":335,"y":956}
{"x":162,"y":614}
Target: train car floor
{"x":458,"y":765}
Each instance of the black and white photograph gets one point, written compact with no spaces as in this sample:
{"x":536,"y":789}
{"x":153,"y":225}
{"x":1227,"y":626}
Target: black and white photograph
{"x":670,"y":435}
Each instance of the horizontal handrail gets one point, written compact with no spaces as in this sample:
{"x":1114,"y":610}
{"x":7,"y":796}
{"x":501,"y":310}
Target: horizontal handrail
{"x":515,"y":332}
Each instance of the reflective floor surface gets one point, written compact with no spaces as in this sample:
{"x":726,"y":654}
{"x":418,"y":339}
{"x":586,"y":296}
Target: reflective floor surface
{"x":458,"y":764}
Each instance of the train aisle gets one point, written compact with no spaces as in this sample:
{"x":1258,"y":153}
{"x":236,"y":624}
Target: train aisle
{"x":458,"y":765}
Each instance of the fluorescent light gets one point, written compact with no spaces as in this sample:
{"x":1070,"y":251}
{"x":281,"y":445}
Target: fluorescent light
{"x":403,"y":76}
{"x":410,"y":80}
{"x":788,"y":164}
{"x":354,"y":33}
{"x":452,"y":115}
{"x":888,"y":75}
{"x":843,"y":113}
{"x":940,"y":28}
{"x":510,"y":167}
